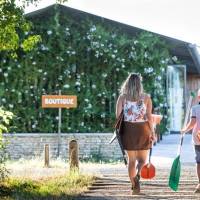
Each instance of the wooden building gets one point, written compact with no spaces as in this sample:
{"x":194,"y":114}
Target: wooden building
{"x":181,"y":79}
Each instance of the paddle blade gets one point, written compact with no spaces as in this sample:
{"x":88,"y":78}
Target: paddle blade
{"x":148,"y":171}
{"x":175,"y":174}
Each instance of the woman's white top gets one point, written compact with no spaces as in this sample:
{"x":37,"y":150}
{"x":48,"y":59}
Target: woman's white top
{"x":134,"y":111}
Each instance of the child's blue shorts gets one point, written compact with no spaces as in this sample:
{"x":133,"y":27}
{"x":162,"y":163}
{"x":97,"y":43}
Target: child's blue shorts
{"x":197,"y":153}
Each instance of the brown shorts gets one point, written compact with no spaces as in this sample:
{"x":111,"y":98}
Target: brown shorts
{"x":135,"y":136}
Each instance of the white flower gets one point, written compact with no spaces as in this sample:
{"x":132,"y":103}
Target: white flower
{"x":89,"y":105}
{"x":103,"y":115}
{"x":40,"y":70}
{"x":113,"y":56}
{"x":44,"y":48}
{"x":94,"y":86}
{"x":57,"y":117}
{"x":66,"y":86}
{"x":33,"y":126}
{"x":77,"y":83}
{"x":113,"y":35}
{"x":115,"y":51}
{"x":103,"y":102}
{"x":13,"y":90}
{"x":19,"y":66}
{"x":26,"y":33}
{"x":67,"y":29}
{"x":4,"y":60}
{"x":34,"y":63}
{"x":60,"y":77}
{"x":117,"y":69}
{"x":9,"y":68}
{"x":148,"y":70}
{"x":82,"y":123}
{"x":45,"y":73}
{"x":3,"y":100}
{"x":123,"y":66}
{"x":104,"y":75}
{"x":31,"y":87}
{"x":5,"y":74}
{"x":174,"y":58}
{"x":86,"y":100}
{"x":0,"y":70}
{"x":49,"y":32}
{"x":159,"y":78}
{"x":161,"y":105}
{"x":93,"y":28}
{"x":11,"y":105}
{"x":88,"y":37}
{"x":67,"y":33}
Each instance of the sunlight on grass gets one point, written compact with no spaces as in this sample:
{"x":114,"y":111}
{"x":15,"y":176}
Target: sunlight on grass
{"x":61,"y":187}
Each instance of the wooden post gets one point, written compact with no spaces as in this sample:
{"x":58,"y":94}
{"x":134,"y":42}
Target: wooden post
{"x":73,"y":155}
{"x":59,"y":127}
{"x":46,"y":155}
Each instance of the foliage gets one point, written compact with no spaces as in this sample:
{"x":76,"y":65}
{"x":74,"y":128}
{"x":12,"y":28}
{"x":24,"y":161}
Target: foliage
{"x":84,"y":57}
{"x":64,"y":187}
{"x":13,"y":25}
{"x":5,"y":117}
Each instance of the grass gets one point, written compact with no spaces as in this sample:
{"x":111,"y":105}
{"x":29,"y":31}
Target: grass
{"x":63,"y":187}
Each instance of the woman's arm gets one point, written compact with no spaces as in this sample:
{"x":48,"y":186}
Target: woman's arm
{"x":149,"y":114}
{"x":119,"y":106}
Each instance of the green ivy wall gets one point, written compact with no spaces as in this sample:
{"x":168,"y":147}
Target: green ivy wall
{"x":86,"y":57}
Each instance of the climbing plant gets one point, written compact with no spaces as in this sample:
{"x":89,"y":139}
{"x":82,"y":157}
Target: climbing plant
{"x":5,"y":117}
{"x":85,"y":57}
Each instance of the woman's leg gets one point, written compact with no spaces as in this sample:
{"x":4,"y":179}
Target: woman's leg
{"x":132,"y":166}
{"x":141,"y":157}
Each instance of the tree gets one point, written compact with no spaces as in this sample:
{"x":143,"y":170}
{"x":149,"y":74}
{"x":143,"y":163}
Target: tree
{"x":13,"y":25}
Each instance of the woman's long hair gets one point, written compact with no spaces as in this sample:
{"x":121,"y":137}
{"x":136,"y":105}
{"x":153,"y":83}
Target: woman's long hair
{"x":132,"y":87}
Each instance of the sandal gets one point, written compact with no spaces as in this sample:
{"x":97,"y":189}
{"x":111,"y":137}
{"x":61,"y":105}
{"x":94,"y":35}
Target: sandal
{"x":136,"y":187}
{"x":197,"y":190}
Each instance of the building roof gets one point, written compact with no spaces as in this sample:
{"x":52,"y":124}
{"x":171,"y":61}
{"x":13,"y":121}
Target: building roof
{"x":186,"y":52}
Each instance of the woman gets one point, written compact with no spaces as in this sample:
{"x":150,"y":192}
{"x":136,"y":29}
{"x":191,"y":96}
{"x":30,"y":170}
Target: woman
{"x":136,"y":107}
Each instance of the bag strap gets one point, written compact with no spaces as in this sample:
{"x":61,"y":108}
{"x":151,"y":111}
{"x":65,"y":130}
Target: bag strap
{"x":120,"y":118}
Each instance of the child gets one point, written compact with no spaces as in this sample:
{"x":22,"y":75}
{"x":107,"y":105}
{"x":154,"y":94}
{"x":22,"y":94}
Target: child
{"x":194,"y":124}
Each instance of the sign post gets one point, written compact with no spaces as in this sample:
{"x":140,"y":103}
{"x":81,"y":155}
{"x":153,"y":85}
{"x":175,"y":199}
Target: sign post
{"x":59,"y":101}
{"x":59,"y":127}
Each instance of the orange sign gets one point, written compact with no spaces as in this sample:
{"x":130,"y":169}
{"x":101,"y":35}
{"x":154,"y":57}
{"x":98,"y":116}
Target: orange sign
{"x":59,"y":101}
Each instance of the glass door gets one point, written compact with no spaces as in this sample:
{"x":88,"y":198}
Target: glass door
{"x":176,"y":88}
